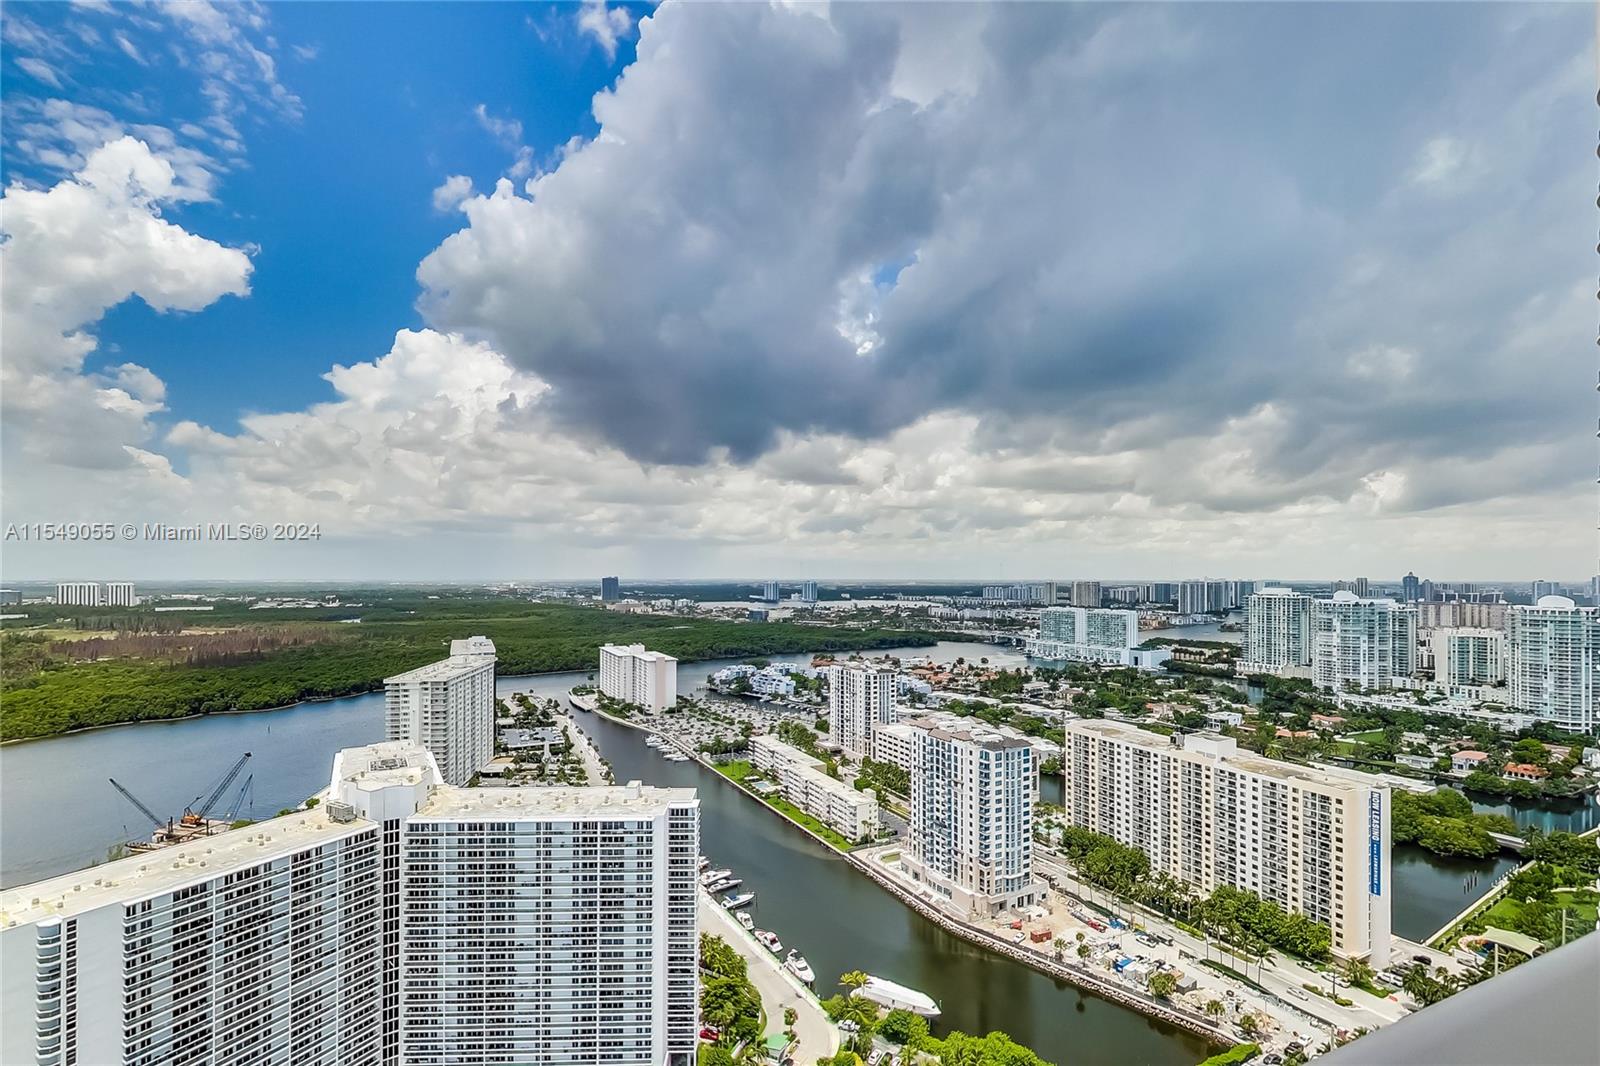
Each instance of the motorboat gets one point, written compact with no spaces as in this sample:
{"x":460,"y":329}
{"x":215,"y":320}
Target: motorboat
{"x":899,"y":997}
{"x":746,"y":921}
{"x":725,"y":884}
{"x":675,"y":756}
{"x":769,"y":940}
{"x":711,"y":876}
{"x":656,"y":740}
{"x":704,"y":862}
{"x":733,"y":903}
{"x":796,"y":964}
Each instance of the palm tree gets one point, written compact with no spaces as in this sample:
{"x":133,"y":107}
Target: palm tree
{"x":1358,"y":972}
{"x":1083,"y":951}
{"x":1215,"y":1008}
{"x":790,"y":1016}
{"x":852,"y":982}
{"x":1061,"y":947}
{"x":1248,"y":1025}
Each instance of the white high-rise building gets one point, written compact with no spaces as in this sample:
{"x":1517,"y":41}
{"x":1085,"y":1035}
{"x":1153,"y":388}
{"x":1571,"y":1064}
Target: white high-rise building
{"x":402,"y":921}
{"x":808,"y":591}
{"x":858,"y":697}
{"x":1314,"y":841}
{"x":771,"y":591}
{"x":1468,"y":658}
{"x":633,"y":674}
{"x":1090,"y":634}
{"x":1084,"y":594}
{"x":1553,"y":667}
{"x":1361,"y":643}
{"x":78,"y":594}
{"x":1277,"y":633}
{"x":971,"y":838}
{"x":448,"y":708}
{"x":119,"y":594}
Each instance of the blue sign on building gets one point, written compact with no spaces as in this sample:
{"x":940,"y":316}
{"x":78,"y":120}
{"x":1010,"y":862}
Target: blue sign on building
{"x":1375,"y":843}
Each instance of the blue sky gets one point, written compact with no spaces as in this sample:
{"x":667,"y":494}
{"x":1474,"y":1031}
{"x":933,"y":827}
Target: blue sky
{"x":1013,"y":290}
{"x":337,"y":201}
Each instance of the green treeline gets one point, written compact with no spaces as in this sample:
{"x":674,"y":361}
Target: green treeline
{"x":54,"y":695}
{"x":1444,"y":822}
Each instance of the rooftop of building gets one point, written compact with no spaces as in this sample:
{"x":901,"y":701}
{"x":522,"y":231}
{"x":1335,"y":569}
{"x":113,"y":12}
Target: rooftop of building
{"x":552,"y":803}
{"x":154,"y":873}
{"x":968,"y":732}
{"x":1239,"y":759}
{"x":638,"y":651}
{"x":445,"y":669}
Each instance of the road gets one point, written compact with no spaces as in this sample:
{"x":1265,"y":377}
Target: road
{"x":815,"y":1036}
{"x":1279,"y":976}
{"x":584,"y":747}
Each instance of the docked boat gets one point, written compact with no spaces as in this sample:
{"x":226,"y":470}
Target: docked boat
{"x":725,"y":884}
{"x":733,"y":903}
{"x":711,"y":876}
{"x":655,"y":740}
{"x":675,"y":756}
{"x":769,"y":940}
{"x":796,"y":964}
{"x":704,"y":863}
{"x":745,"y":920}
{"x":899,"y":997}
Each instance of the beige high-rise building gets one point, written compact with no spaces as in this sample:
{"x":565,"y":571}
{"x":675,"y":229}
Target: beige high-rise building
{"x":1314,"y":841}
{"x":448,"y":708}
{"x":858,"y":698}
{"x":632,"y":674}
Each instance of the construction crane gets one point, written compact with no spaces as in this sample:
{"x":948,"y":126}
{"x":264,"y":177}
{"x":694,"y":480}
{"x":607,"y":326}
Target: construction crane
{"x":232,"y":814}
{"x":160,"y":825}
{"x":155,"y":819}
{"x":195,"y":816}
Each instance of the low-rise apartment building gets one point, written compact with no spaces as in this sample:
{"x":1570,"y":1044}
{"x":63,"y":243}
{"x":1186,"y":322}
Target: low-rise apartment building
{"x":804,"y":783}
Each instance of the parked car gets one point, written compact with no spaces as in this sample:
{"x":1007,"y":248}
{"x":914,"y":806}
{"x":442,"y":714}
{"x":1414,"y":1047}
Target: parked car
{"x":1387,"y":980}
{"x":1298,"y":993}
{"x":1019,"y":937}
{"x":709,"y":1033}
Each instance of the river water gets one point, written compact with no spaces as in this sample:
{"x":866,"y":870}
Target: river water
{"x":58,"y":813}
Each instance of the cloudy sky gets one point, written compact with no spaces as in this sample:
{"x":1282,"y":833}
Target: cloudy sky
{"x":510,"y":290}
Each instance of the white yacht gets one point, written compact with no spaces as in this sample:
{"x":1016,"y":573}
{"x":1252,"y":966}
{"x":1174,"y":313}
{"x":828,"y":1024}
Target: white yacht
{"x":897,"y":996}
{"x":796,"y":964}
{"x":769,"y":941}
{"x":733,"y":903}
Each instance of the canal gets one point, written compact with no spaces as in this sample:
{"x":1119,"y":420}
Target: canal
{"x":58,"y":813}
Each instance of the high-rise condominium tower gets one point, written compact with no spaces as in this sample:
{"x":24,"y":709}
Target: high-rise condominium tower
{"x":1554,"y":662}
{"x":1314,"y":841}
{"x":448,"y":708}
{"x":1361,"y":643}
{"x":1277,"y":633}
{"x":401,"y":921}
{"x":971,"y":836}
{"x":859,"y":696}
{"x":633,"y":674}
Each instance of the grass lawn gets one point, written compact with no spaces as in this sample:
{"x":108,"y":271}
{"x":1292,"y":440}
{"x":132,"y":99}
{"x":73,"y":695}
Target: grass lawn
{"x":834,"y":838}
{"x":736,"y":770}
{"x":1363,"y":738}
{"x":1581,"y":911}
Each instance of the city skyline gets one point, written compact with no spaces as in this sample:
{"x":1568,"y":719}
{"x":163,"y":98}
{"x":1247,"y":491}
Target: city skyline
{"x":506,"y":311}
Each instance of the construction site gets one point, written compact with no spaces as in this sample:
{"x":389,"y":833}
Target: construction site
{"x":202,"y":816}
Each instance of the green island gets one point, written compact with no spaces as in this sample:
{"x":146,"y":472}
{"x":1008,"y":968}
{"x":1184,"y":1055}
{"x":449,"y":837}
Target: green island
{"x":102,"y":666}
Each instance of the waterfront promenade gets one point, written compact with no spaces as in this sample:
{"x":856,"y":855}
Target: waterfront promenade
{"x":815,"y":1036}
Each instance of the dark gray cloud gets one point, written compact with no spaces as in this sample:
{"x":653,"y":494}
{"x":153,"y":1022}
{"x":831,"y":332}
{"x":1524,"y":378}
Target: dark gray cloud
{"x":1142,"y":223}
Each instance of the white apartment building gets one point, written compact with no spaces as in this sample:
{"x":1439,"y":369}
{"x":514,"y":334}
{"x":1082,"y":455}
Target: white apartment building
{"x":119,"y":594}
{"x":858,"y":697}
{"x":1361,"y":643}
{"x":448,"y":708}
{"x":1087,"y":634}
{"x":1313,"y":841}
{"x":808,"y":591}
{"x":401,"y":921}
{"x":1553,"y":667}
{"x":632,"y":674}
{"x":78,"y":594}
{"x":1468,"y":658}
{"x":896,"y":742}
{"x":805,"y":783}
{"x":1277,"y":634}
{"x":971,"y":839}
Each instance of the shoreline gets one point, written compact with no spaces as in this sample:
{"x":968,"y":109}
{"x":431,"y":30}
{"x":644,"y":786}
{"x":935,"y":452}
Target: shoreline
{"x":7,"y":741}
